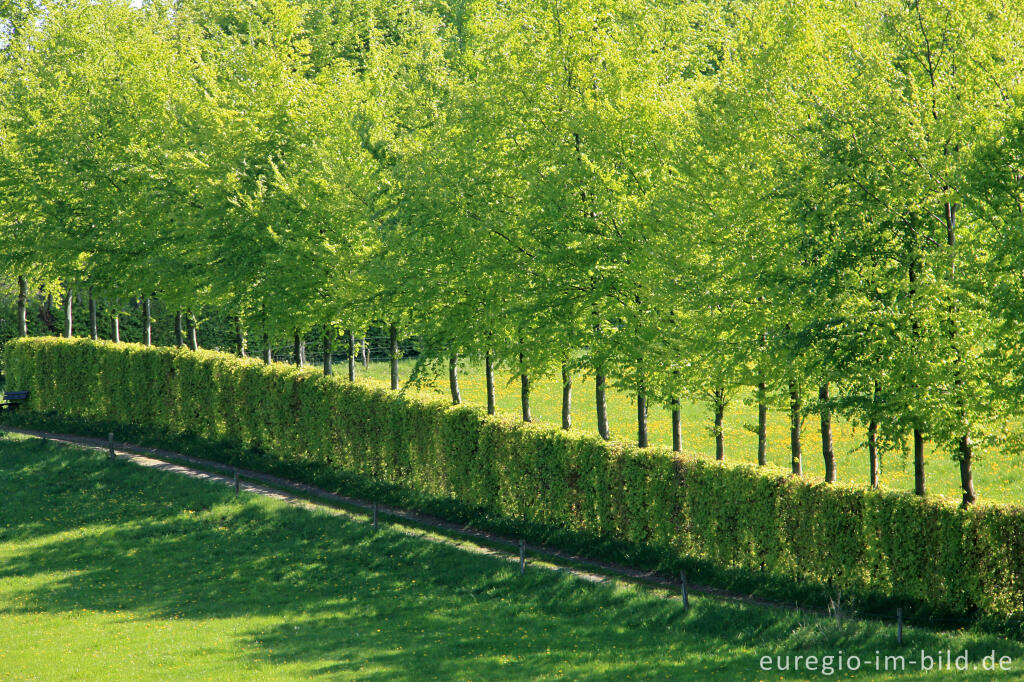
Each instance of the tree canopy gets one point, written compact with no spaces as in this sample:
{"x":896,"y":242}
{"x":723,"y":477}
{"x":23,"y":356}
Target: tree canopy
{"x":815,"y":206}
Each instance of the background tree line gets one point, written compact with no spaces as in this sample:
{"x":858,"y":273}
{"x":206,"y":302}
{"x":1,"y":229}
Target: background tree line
{"x":815,"y":206}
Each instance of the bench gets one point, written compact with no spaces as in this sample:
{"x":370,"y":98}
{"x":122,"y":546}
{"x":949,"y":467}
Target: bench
{"x":12,"y":399}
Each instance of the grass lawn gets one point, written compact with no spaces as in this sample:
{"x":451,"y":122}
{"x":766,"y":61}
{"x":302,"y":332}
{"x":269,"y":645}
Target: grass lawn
{"x":999,"y":475}
{"x":112,"y":571}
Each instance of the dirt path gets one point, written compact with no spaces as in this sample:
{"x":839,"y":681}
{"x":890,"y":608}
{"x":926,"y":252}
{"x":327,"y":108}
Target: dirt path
{"x":411,"y":523}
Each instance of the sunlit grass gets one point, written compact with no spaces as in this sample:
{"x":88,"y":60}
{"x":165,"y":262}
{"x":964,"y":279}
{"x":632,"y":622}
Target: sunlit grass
{"x":114,"y":572}
{"x":999,"y":475}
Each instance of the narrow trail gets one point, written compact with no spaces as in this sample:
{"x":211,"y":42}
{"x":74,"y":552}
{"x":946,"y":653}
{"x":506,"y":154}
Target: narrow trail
{"x":411,"y":523}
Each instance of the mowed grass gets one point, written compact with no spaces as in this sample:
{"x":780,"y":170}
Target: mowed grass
{"x":111,"y":571}
{"x":999,"y":475}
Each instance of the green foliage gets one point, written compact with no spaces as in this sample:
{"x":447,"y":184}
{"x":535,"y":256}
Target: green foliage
{"x":877,"y":543}
{"x":674,"y":196}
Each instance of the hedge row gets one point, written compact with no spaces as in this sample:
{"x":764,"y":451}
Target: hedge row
{"x":737,"y":517}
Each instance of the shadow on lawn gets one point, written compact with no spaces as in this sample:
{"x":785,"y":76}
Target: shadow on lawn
{"x":341,"y":598}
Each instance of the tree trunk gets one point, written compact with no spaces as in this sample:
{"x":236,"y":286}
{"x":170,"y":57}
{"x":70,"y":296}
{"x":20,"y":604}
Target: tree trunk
{"x":762,"y":425}
{"x":525,"y":392}
{"x":94,"y":324}
{"x":115,"y":328}
{"x":453,"y":379}
{"x":677,"y":427}
{"x":147,"y":322}
{"x":966,"y":448}
{"x":393,"y":339}
{"x":298,"y":350}
{"x":566,"y":398}
{"x":365,"y":351}
{"x":22,"y":306}
{"x":179,"y":338}
{"x":268,"y":352}
{"x":46,"y":315}
{"x":602,"y":406}
{"x":351,"y":336}
{"x":641,"y":415}
{"x":193,"y":332}
{"x":719,"y":419}
{"x":794,"y":428}
{"x":489,"y":371}
{"x":919,"y":487}
{"x":951,"y":210}
{"x":328,"y":347}
{"x":966,"y":472}
{"x":827,"y":452}
{"x":239,"y":336}
{"x":873,"y":451}
{"x":68,"y":297}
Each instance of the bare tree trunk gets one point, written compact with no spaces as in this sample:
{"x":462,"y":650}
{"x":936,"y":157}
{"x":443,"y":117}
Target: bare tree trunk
{"x":147,"y":322}
{"x":351,"y":336}
{"x":68,"y":297}
{"x":873,"y":451}
{"x":193,"y":332}
{"x":22,"y":306}
{"x":489,"y":371}
{"x":268,"y":354}
{"x":299,"y":350}
{"x":602,"y":406}
{"x":966,"y":475}
{"x":827,"y":451}
{"x":919,"y":487}
{"x":794,"y":428}
{"x":719,"y":420}
{"x":453,"y":379}
{"x":365,"y":351}
{"x":179,"y":337}
{"x":641,"y":414}
{"x":566,"y":398}
{"x":94,"y":324}
{"x":239,"y":336}
{"x":677,"y":427}
{"x":393,"y":338}
{"x":762,"y":425}
{"x":328,"y":348}
{"x":525,"y":392}
{"x":115,"y":328}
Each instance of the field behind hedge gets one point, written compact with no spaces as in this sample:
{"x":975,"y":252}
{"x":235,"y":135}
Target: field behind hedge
{"x":999,"y":473}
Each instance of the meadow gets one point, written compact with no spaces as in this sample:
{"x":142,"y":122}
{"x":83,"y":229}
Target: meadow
{"x":113,"y":571}
{"x":999,"y":474}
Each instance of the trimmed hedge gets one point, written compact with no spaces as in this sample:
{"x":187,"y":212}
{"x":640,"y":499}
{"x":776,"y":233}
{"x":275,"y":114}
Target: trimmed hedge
{"x":890,"y":545}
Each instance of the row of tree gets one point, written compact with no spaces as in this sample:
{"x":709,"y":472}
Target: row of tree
{"x":817,"y":205}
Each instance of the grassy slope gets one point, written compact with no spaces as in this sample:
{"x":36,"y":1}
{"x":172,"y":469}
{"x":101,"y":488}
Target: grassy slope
{"x":117,"y":572}
{"x":999,"y":476}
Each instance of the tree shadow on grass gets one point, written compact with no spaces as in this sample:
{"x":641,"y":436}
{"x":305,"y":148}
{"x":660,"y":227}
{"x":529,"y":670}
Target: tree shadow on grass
{"x":340,"y":599}
{"x":47,"y":488}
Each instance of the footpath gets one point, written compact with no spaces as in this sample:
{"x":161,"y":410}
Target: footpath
{"x":412,"y":523}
